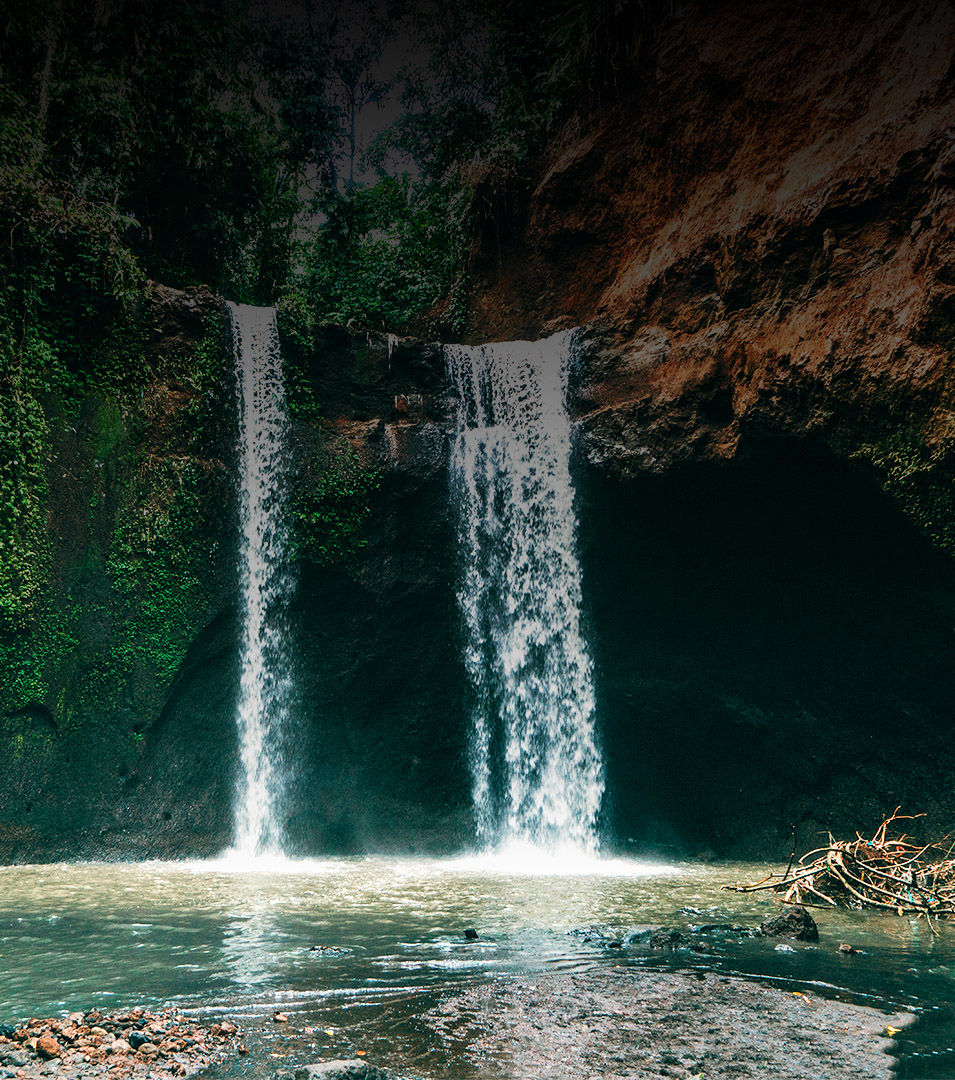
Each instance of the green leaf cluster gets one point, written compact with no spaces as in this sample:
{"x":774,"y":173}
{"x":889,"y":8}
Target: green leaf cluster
{"x":331,"y":505}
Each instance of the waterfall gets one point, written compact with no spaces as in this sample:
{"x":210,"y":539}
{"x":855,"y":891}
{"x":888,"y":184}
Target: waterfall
{"x":265,"y":685}
{"x":536,"y":770}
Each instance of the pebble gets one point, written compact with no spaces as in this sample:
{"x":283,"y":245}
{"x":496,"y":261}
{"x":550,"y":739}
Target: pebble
{"x":133,"y":1045}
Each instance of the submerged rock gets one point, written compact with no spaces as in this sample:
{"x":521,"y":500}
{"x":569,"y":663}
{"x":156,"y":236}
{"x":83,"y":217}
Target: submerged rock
{"x":344,"y":1069}
{"x":598,"y":932}
{"x":658,"y":937}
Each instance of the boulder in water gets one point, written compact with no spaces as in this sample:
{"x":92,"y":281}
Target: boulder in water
{"x":795,"y":923}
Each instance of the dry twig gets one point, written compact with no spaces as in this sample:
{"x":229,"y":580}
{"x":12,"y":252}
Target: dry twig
{"x":891,"y":874}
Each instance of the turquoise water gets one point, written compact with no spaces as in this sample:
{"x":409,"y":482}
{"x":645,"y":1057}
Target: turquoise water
{"x":390,"y":940}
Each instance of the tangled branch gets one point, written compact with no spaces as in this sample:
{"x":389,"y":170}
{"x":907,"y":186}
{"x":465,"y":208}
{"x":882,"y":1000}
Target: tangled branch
{"x":892,"y":874}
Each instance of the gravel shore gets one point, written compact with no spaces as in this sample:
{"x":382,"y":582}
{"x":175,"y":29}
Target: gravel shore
{"x":643,"y":1025}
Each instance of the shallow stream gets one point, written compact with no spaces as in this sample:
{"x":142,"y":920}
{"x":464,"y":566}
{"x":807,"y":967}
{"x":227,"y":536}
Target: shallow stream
{"x":353,"y":950}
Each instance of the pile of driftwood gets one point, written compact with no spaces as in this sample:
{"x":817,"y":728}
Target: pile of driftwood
{"x":894,"y":874}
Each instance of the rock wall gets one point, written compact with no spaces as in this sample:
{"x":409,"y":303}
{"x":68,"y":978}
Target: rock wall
{"x":757,"y":241}
{"x":118,"y":723}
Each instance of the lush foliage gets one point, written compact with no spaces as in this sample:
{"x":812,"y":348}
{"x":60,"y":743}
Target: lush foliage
{"x":241,"y":147}
{"x":332,"y":506}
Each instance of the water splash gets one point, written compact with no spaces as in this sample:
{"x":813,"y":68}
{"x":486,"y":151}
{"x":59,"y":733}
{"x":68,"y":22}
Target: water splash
{"x":537,"y":773}
{"x":266,"y":582}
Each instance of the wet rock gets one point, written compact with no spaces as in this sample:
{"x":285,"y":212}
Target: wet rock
{"x":470,"y":934}
{"x":599,"y":932}
{"x":725,"y":929}
{"x":345,"y":1069}
{"x":657,"y":937}
{"x":795,"y":923}
{"x":329,"y":950}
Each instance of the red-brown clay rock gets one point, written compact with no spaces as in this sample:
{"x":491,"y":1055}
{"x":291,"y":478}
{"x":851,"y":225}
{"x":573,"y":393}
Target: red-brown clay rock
{"x":759,"y":237}
{"x":47,"y":1047}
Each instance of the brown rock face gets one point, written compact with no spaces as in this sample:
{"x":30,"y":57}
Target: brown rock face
{"x":759,"y":239}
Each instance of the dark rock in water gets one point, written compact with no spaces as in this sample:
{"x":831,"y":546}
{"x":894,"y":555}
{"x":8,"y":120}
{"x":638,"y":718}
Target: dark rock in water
{"x":656,"y":937}
{"x":669,"y":940}
{"x":795,"y":923}
{"x":601,"y":933}
{"x":470,"y":934}
{"x":346,"y":1069}
{"x":330,"y":950}
{"x":725,"y":929}
{"x":137,"y":1039}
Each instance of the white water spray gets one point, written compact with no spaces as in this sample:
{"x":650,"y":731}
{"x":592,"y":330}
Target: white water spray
{"x":537,"y":773}
{"x":265,"y":686}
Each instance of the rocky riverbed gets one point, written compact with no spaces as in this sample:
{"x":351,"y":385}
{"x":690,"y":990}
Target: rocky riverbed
{"x":137,"y":1043}
{"x":645,"y":1025}
{"x":608,"y":1023}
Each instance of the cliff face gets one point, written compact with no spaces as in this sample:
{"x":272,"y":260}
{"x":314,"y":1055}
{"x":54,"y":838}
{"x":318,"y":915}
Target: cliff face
{"x":137,"y":554}
{"x":757,"y":242}
{"x":118,"y":697}
{"x":757,"y":245}
{"x":759,"y":239}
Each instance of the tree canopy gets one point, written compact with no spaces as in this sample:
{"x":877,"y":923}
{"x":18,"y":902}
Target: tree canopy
{"x":308,"y":152}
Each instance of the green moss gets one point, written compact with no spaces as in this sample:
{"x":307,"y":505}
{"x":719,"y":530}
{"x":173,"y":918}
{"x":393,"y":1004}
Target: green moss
{"x":96,"y":635}
{"x":108,"y":428}
{"x":331,"y":505}
{"x":918,"y":477}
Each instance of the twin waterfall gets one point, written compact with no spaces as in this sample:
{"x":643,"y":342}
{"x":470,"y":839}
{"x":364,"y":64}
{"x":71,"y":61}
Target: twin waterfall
{"x":265,"y":580}
{"x":537,"y":773}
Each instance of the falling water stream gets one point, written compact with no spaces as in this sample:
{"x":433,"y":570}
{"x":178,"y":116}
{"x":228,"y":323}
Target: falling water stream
{"x":265,"y":581}
{"x":537,"y":772}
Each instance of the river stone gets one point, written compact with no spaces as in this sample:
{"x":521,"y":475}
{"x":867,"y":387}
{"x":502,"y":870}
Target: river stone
{"x":16,"y":1058}
{"x":795,"y":923}
{"x":48,"y":1047}
{"x":344,"y":1069}
{"x":599,"y":932}
{"x":657,"y":937}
